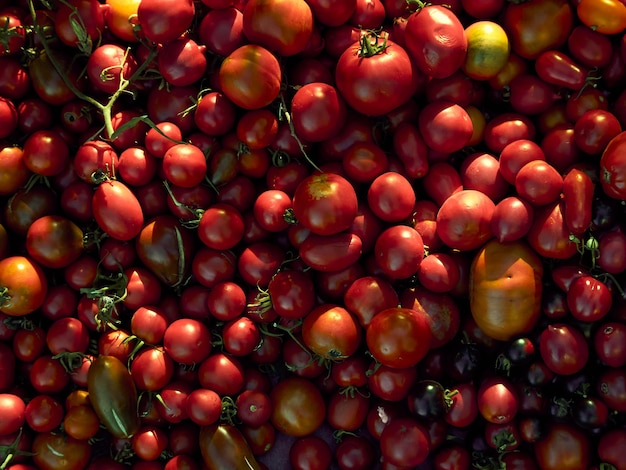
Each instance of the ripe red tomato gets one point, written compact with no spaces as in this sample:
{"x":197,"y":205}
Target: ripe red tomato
{"x":376,"y":75}
{"x":298,"y":406}
{"x":399,"y":337}
{"x":54,"y":451}
{"x":331,"y":332}
{"x":405,"y":441}
{"x":398,"y":251}
{"x":563,"y":348}
{"x":497,"y":400}
{"x":563,"y":447}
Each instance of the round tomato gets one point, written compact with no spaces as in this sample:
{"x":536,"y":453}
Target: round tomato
{"x":23,"y":286}
{"x":119,"y":18}
{"x":399,"y":337}
{"x":250,"y":76}
{"x":604,"y":16}
{"x":298,"y":406}
{"x":613,"y":167}
{"x":488,"y":50}
{"x":55,"y":451}
{"x":376,"y":75}
{"x":564,"y":447}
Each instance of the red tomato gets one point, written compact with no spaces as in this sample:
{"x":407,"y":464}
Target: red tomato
{"x":54,"y":451}
{"x":298,"y":406}
{"x":331,"y":332}
{"x":375,"y":75}
{"x":391,"y":197}
{"x":539,"y":183}
{"x":563,"y":447}
{"x":589,"y":299}
{"x":512,"y":219}
{"x":399,"y":337}
{"x":117,"y":210}
{"x":405,"y":441}
{"x":563,"y":348}
{"x":497,"y":400}
{"x":398,"y":251}
{"x":445,"y":126}
{"x":250,"y":76}
{"x":23,"y":286}
{"x":436,"y":40}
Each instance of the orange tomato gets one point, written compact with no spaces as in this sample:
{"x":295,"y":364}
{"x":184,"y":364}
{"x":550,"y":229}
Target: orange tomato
{"x":120,"y":18}
{"x":505,"y":289}
{"x":603,"y":16}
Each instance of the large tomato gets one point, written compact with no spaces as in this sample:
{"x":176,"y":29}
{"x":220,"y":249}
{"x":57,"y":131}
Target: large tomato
{"x":325,"y":203}
{"x":376,"y":75}
{"x":23,"y":286}
{"x":250,"y":76}
{"x":537,"y":26}
{"x":436,"y":40}
{"x":505,"y":289}
{"x":282,"y":26}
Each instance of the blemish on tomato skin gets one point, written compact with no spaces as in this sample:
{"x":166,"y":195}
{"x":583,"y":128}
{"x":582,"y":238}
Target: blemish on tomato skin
{"x":321,"y":188}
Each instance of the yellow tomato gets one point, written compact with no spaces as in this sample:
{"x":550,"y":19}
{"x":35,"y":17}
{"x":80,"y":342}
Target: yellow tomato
{"x":488,"y":50}
{"x":603,"y":16}
{"x":478,"y":123}
{"x":120,"y":17}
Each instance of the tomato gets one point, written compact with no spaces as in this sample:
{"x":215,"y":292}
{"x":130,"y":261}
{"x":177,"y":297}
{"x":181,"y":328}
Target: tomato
{"x":376,"y":75}
{"x":538,"y":26}
{"x":595,"y":129}
{"x":367,"y":296}
{"x":391,"y":197}
{"x":108,"y":65}
{"x":54,"y":451}
{"x":282,"y":26}
{"x":117,"y":210}
{"x":549,"y":235}
{"x":605,"y":17}
{"x":539,"y":183}
{"x":445,"y":126}
{"x":224,"y":446}
{"x":54,"y":241}
{"x":464,"y":220}
{"x":564,"y":447}
{"x":165,"y":248}
{"x":325,"y":203}
{"x":512,"y":219}
{"x":318,"y":112}
{"x":48,"y":83}
{"x":250,"y":76}
{"x":398,"y":251}
{"x":331,"y":332}
{"x":488,"y":50}
{"x":506,"y":287}
{"x":24,"y":286}
{"x":13,"y":408}
{"x":481,"y":171}
{"x":310,"y":452}
{"x":563,"y":348}
{"x":119,"y":17}
{"x":497,"y":400}
{"x":113,"y":395}
{"x":221,"y":226}
{"x":405,"y":441}
{"x":464,"y":407}
{"x":399,"y":337}
{"x":436,"y":40}
{"x":162,"y":22}
{"x":354,"y":452}
{"x":298,"y":407}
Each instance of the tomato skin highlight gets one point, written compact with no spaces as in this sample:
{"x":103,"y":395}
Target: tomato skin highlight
{"x":578,"y":190}
{"x":223,"y":446}
{"x":26,"y":286}
{"x":113,"y":395}
{"x":117,"y":210}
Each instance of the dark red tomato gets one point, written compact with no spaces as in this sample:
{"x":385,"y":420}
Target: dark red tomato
{"x":54,"y":241}
{"x":399,"y":337}
{"x":438,"y":272}
{"x":291,"y":293}
{"x":136,"y":166}
{"x":589,"y":299}
{"x":611,"y":388}
{"x":464,"y":408}
{"x":241,"y":336}
{"x":452,"y":457}
{"x":441,"y":182}
{"x":564,"y":447}
{"x":591,"y":48}
{"x":269,"y":210}
{"x":117,"y":210}
{"x":165,"y":247}
{"x":563,"y":348}
{"x":310,"y":453}
{"x":318,"y":112}
{"x":530,"y":95}
{"x":212,"y":266}
{"x":515,"y":155}
{"x":330,"y":253}
{"x":481,"y":171}
{"x":92,"y":156}
{"x":46,"y":153}
{"x":608,"y":447}
{"x":410,"y":148}
{"x":44,"y":413}
{"x":539,"y":183}
{"x":221,"y":226}
{"x":398,"y":251}
{"x":612,"y":248}
{"x":354,"y":453}
{"x":253,"y":407}
{"x":612,"y":168}
{"x":221,"y":30}
{"x":152,"y":368}
{"x":497,"y":400}
{"x":10,"y":116}
{"x":182,"y":62}
{"x":325,"y":203}
{"x":331,"y":332}
{"x":525,"y":23}
{"x":258,"y":262}
{"x":108,"y":65}
{"x":91,"y":26}
{"x":436,"y":40}
{"x":226,"y":301}
{"x":224,"y":446}
{"x":48,"y":376}
{"x":14,"y":172}
{"x":149,"y":441}
{"x":549,"y":235}
{"x":376,"y":75}
{"x":203,"y":406}
{"x":608,"y":343}
{"x":48,"y":84}
{"x":298,"y":407}
{"x":184,"y":165}
{"x":55,"y":451}
{"x":162,"y":22}
{"x":367,"y":296}
{"x":405,"y":441}
{"x":595,"y":129}
{"x":557,"y":68}
{"x":250,"y":76}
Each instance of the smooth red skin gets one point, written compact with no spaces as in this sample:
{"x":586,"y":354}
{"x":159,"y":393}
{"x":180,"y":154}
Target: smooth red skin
{"x":595,"y":129}
{"x":563,"y":442}
{"x":391,"y":384}
{"x":368,"y":15}
{"x":613,"y":168}
{"x":117,"y":210}
{"x":515,"y":155}
{"x":539,"y":183}
{"x":410,"y":148}
{"x":464,"y":409}
{"x":557,"y":68}
{"x":612,"y":247}
{"x":221,"y":30}
{"x":549,"y":236}
{"x":589,"y":299}
{"x":560,"y":149}
{"x":391,"y":197}
{"x":481,"y":171}
{"x":563,"y":348}
{"x":369,"y":295}
{"x":331,"y":252}
{"x":441,"y":182}
{"x":578,"y":191}
{"x":162,"y":22}
{"x":436,"y":41}
{"x":392,"y":250}
{"x":497,"y":400}
{"x":108,"y":64}
{"x":506,"y":128}
{"x":318,"y":112}
{"x":589,"y":47}
{"x":445,"y":126}
{"x":405,"y":440}
{"x":512,"y":219}
{"x":438,"y":272}
{"x":182,"y":61}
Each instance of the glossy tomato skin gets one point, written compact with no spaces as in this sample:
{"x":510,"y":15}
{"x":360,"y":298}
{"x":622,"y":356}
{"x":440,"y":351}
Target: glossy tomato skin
{"x":117,"y":210}
{"x":374,"y":84}
{"x":549,"y":234}
{"x":329,"y":253}
{"x":563,"y":348}
{"x":250,"y":76}
{"x":298,"y":406}
{"x":613,"y":168}
{"x":564,"y":447}
{"x":24,"y":286}
{"x":436,"y":40}
{"x":325,"y":203}
{"x":54,"y":451}
{"x":331,"y":332}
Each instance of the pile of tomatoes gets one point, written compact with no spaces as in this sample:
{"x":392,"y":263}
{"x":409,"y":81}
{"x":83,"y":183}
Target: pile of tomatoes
{"x":312,"y":234}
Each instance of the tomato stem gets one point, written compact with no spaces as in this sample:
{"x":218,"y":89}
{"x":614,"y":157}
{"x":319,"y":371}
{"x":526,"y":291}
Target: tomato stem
{"x":370,"y":44}
{"x":4,"y":296}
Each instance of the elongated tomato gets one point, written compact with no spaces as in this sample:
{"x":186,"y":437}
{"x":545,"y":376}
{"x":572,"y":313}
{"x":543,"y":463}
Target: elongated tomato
{"x":113,"y":395}
{"x":117,"y":210}
{"x":223,"y":446}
